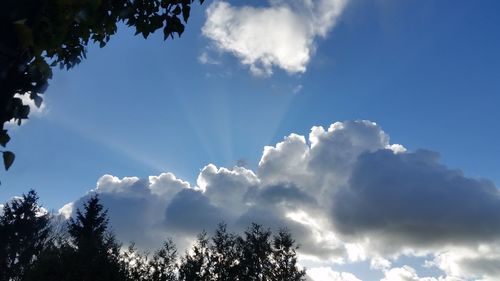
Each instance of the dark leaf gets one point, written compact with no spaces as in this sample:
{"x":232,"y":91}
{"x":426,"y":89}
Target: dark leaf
{"x":4,"y":138}
{"x":185,"y":13}
{"x":38,"y":101}
{"x":25,"y":111}
{"x":8,"y":159}
{"x":41,"y":87}
{"x":177,"y":10}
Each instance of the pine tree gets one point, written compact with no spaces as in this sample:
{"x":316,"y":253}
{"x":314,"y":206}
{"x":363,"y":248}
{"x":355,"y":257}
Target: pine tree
{"x":24,"y":232}
{"x":196,"y":266}
{"x":134,"y":265}
{"x":284,"y":258}
{"x":163,"y":264}
{"x":255,"y":250}
{"x":96,"y":252}
{"x":224,"y":255}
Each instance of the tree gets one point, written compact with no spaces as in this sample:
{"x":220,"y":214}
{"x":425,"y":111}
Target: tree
{"x":164,"y":263}
{"x":135,"y":266}
{"x":224,"y":255}
{"x":39,"y":34}
{"x":255,"y":250}
{"x":53,"y":263}
{"x":284,"y":258}
{"x":96,"y":252}
{"x":24,"y":233}
{"x":196,"y":266}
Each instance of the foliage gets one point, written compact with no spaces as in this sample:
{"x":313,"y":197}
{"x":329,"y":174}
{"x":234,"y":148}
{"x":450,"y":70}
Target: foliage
{"x":24,"y":233}
{"x":134,"y":265}
{"x":224,"y":255}
{"x":96,"y":255}
{"x":164,"y":263}
{"x":40,"y":34}
{"x":255,"y":249}
{"x":88,"y":251}
{"x":284,"y":258}
{"x":196,"y":266}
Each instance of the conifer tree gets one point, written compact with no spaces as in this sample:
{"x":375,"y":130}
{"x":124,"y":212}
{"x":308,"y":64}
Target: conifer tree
{"x":255,"y":250}
{"x":224,"y":255}
{"x":134,"y":265}
{"x":284,"y":258}
{"x":96,"y":252}
{"x":195,"y":266}
{"x":24,"y":232}
{"x":163,"y":265}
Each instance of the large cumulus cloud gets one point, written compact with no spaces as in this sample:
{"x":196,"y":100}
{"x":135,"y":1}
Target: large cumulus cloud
{"x":345,"y":192}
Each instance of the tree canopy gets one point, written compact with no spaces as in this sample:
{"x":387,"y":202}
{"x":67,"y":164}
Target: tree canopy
{"x":87,"y":250}
{"x":24,"y":233}
{"x":40,"y":34}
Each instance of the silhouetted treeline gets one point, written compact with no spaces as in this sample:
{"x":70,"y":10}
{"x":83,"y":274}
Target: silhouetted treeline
{"x":85,"y":250}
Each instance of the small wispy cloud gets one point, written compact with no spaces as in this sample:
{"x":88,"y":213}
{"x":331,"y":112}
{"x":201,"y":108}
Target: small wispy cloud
{"x":206,"y":58}
{"x":297,"y":89}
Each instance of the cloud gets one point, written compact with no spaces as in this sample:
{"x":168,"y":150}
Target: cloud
{"x":411,"y":200}
{"x":470,"y":263}
{"x":405,"y":273}
{"x":327,"y":274}
{"x":205,"y":58}
{"x":282,"y":34}
{"x":345,"y":192}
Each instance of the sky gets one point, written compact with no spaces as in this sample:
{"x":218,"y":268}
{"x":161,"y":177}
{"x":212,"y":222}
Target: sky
{"x":369,"y":128}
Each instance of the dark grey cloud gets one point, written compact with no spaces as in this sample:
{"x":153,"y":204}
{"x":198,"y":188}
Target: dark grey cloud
{"x":284,"y":194}
{"x":411,"y":199}
{"x":191,"y":212}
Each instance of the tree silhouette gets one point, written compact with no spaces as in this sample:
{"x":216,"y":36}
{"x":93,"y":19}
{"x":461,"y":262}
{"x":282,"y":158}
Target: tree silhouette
{"x":284,"y":258}
{"x":39,"y":34}
{"x":255,"y":249}
{"x":196,"y":266}
{"x":134,"y":265}
{"x":164,"y":263}
{"x":54,"y":264}
{"x":224,"y":255}
{"x":96,"y":252}
{"x":88,"y":251}
{"x":24,"y":233}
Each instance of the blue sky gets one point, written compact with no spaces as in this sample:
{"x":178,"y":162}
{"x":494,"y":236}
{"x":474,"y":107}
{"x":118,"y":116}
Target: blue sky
{"x":427,"y":72}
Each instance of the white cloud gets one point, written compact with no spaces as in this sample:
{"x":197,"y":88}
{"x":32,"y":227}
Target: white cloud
{"x":346,"y":193}
{"x":404,"y":273}
{"x":379,"y":263}
{"x":66,"y":210}
{"x":205,"y":58}
{"x":482,"y":261}
{"x":327,"y":274}
{"x":282,"y":34}
{"x":407,"y":273}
